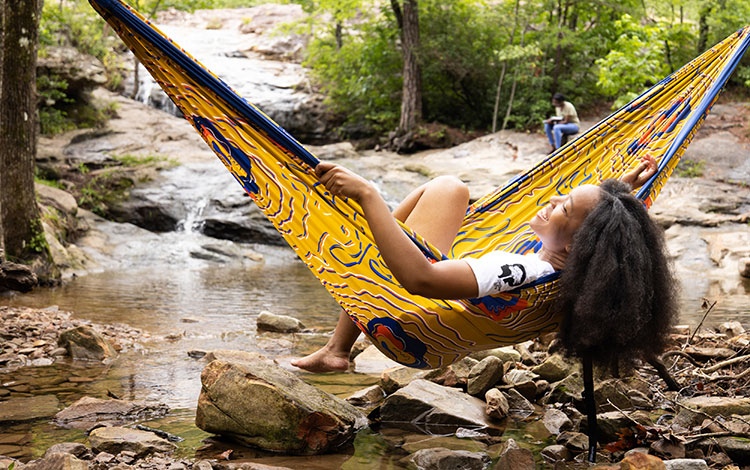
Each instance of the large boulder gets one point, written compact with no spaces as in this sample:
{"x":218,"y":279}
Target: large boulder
{"x":235,"y":217}
{"x":257,"y":403}
{"x":88,"y":411}
{"x":85,"y":343}
{"x":114,"y":440}
{"x":80,"y":71}
{"x":19,"y":277}
{"x":427,"y":407}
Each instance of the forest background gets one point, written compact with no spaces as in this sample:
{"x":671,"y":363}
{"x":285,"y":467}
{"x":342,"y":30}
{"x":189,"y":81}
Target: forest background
{"x":483,"y":65}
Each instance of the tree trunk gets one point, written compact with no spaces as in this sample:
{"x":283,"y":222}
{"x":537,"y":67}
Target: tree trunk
{"x":515,"y":82}
{"x":18,"y":127}
{"x":411,"y":98}
{"x":703,"y":29}
{"x":502,"y":73}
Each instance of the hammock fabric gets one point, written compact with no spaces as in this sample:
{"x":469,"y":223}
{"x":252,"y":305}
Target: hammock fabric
{"x":332,"y":237}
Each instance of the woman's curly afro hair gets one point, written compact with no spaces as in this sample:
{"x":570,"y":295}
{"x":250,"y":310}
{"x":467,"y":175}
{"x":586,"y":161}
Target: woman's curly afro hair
{"x":618,"y":296}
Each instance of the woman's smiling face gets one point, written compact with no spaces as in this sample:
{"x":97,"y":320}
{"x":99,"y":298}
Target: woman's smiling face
{"x":557,"y":222}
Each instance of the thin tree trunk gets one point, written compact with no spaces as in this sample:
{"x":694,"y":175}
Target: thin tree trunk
{"x":703,"y":29}
{"x":411,"y":99}
{"x":558,"y":49}
{"x":502,"y":72}
{"x":497,"y":96}
{"x":513,"y":86}
{"x":18,"y":125}
{"x":2,"y":37}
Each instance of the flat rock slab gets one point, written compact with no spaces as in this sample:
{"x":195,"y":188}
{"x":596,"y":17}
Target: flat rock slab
{"x":258,"y":403}
{"x":693,"y":410}
{"x":114,"y":440}
{"x":372,"y":361}
{"x":430,"y":408}
{"x":89,"y":410}
{"x":28,"y":408}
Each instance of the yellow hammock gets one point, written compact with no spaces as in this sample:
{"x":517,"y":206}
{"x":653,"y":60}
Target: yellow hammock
{"x":332,"y":237}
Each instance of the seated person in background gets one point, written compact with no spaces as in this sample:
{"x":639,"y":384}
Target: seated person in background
{"x":565,"y":122}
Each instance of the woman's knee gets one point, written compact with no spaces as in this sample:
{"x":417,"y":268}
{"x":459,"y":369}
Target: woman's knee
{"x":450,"y":187}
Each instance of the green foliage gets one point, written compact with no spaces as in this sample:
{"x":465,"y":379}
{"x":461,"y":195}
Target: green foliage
{"x":83,"y":169}
{"x":690,"y":168}
{"x":46,"y":182}
{"x":37,"y":243}
{"x":635,"y":62}
{"x":103,"y":190}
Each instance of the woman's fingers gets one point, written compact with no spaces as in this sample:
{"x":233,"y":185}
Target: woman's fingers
{"x":323,"y":167}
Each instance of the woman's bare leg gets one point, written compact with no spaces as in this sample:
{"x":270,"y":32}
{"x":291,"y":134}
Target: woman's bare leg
{"x":435,"y":210}
{"x":334,"y":356}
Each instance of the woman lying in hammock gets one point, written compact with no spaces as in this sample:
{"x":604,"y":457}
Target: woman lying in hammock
{"x":617,"y":293}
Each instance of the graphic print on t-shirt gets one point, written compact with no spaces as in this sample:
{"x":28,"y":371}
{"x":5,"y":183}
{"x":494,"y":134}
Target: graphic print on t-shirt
{"x":512,"y":275}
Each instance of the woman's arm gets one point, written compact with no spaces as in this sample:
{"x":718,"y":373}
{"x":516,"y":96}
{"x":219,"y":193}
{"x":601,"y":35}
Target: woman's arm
{"x":450,"y":279}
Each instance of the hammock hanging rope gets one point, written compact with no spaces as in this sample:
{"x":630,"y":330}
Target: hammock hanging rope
{"x":332,"y":237}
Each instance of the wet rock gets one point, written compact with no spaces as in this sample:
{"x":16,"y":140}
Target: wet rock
{"x":554,"y":368}
{"x":57,"y":461}
{"x":523,"y":381}
{"x":104,"y":457}
{"x":268,"y":321}
{"x":87,"y":411}
{"x":518,"y":406}
{"x":484,"y":375}
{"x":235,"y":217}
{"x":515,"y":458}
{"x":737,"y":448}
{"x":372,"y":361}
{"x":744,"y":267}
{"x":398,"y":377}
{"x":575,"y":441}
{"x":567,"y":390}
{"x":260,"y":404}
{"x":18,"y":277}
{"x":669,"y":447}
{"x":453,"y":375}
{"x":433,"y":409}
{"x":611,"y":424}
{"x":611,"y":394}
{"x":497,"y":404}
{"x":556,"y":453}
{"x":505,"y":354}
{"x":5,"y":463}
{"x":114,"y":440}
{"x":151,"y":215}
{"x":641,"y":461}
{"x":556,"y":421}
{"x":18,"y":409}
{"x":732,"y":328}
{"x":686,"y":464}
{"x":367,"y":396}
{"x":85,"y":343}
{"x":711,"y":406}
{"x":75,"y":448}
{"x":232,"y":355}
{"x":440,"y":458}
{"x":196,"y":353}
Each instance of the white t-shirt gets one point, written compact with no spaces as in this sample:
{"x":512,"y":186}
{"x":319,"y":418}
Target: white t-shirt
{"x":500,"y":271}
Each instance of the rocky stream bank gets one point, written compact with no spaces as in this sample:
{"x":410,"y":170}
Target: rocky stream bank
{"x":455,"y":417}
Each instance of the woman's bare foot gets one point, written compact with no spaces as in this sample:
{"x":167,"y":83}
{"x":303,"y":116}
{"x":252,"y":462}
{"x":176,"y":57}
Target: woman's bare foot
{"x":324,"y":360}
